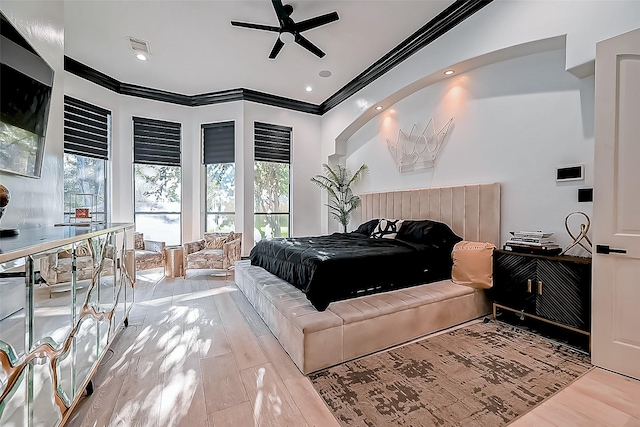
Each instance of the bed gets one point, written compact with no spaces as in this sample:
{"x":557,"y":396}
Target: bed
{"x":349,"y":328}
{"x":347,"y":265}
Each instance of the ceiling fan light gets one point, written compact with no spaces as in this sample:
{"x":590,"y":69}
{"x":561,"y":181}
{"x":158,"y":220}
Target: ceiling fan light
{"x":287,"y":37}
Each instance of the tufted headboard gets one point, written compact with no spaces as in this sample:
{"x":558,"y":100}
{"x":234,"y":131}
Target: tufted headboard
{"x":472,"y":211}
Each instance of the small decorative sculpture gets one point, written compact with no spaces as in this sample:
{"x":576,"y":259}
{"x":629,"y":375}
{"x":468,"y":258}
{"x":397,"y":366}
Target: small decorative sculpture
{"x":5,"y":198}
{"x":582,"y":235}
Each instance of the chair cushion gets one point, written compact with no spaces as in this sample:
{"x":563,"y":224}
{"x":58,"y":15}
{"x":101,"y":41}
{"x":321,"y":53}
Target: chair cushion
{"x":142,"y":253}
{"x":205,"y":256}
{"x":148,"y":259}
{"x":84,"y":269}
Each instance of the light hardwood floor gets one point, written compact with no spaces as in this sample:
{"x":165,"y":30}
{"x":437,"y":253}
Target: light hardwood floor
{"x":197,"y":354}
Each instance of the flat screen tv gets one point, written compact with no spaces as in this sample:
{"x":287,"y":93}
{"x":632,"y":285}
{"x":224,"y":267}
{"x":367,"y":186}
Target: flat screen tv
{"x":25,"y":97}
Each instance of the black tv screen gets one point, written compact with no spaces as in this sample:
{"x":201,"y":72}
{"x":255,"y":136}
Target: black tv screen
{"x":25,"y":97}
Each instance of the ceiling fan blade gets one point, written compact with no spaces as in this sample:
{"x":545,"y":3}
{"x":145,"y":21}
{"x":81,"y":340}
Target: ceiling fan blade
{"x":277,"y":47}
{"x":317,"y":21}
{"x":255,"y":26}
{"x":302,"y":41}
{"x":282,"y":11}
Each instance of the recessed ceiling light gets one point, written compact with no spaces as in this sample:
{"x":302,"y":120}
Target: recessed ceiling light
{"x":379,"y":107}
{"x":325,"y":73}
{"x":308,"y":88}
{"x":141,"y":57}
{"x":448,"y":72}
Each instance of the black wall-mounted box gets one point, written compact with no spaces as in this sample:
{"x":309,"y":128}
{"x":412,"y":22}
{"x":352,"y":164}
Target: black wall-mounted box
{"x":570,"y":173}
{"x":585,"y":194}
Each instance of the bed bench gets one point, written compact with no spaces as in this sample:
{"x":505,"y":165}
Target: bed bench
{"x":356,"y":327}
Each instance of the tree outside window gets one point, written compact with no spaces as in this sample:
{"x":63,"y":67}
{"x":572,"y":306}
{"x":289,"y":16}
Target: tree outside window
{"x":271,"y":193}
{"x":221,"y":199}
{"x":158,"y":202}
{"x":84,"y":175}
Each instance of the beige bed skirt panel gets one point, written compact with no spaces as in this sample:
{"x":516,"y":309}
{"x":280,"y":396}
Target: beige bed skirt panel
{"x":472,"y":211}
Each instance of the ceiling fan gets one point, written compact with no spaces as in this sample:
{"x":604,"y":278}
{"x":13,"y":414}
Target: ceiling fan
{"x":289,"y":31}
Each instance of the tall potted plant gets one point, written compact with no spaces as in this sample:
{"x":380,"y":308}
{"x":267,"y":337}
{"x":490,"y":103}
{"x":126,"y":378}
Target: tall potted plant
{"x":338,"y":181}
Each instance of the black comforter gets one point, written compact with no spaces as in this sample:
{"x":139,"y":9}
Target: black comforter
{"x":345,"y":265}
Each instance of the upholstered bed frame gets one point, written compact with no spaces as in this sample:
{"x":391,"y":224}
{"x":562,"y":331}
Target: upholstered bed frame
{"x":359,"y":326}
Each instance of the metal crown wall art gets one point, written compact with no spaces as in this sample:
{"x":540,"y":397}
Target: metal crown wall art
{"x":418,"y":151}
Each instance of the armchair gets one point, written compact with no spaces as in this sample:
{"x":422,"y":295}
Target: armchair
{"x":148,"y":253}
{"x":215,"y":251}
{"x":56,"y":268}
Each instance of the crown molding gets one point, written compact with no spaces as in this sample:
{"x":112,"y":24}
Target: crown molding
{"x":231,"y":95}
{"x":445,"y":21}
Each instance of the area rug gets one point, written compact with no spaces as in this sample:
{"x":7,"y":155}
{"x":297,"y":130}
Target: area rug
{"x":486,"y":374}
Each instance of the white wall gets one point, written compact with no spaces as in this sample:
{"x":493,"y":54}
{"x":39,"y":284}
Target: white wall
{"x":514,"y":122}
{"x":502,"y":30}
{"x":39,"y":202}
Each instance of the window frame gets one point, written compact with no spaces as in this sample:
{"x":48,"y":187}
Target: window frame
{"x":75,"y":147}
{"x":165,"y":162}
{"x":209,"y":144}
{"x":265,"y":127}
{"x":206,"y":189}
{"x":288,"y":213}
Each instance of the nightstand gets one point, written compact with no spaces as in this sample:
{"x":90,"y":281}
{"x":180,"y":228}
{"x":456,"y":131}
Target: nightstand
{"x":555,"y":290}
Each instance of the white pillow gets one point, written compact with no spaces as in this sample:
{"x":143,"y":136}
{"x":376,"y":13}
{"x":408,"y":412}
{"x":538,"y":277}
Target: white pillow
{"x":387,"y":229}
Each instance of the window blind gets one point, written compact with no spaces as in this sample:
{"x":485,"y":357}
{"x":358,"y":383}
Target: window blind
{"x":156,"y":142}
{"x":272,"y":143}
{"x":218,"y":143}
{"x":86,"y":129}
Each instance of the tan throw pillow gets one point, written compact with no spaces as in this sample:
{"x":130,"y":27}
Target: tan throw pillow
{"x":212,"y":241}
{"x":473,"y":264}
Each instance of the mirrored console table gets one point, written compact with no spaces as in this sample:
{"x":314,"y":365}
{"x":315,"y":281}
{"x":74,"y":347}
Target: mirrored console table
{"x":64,"y":294}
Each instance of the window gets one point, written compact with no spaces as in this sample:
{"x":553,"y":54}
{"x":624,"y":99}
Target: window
{"x":87,"y":131}
{"x":218,"y":148}
{"x":157,"y":179}
{"x":271,"y":181}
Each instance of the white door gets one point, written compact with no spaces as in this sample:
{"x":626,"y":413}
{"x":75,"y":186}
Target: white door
{"x":616,"y":209}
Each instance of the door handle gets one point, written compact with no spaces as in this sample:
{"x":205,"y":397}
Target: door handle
{"x":606,"y":250}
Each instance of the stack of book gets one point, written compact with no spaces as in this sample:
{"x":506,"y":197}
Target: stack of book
{"x":536,"y":242}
